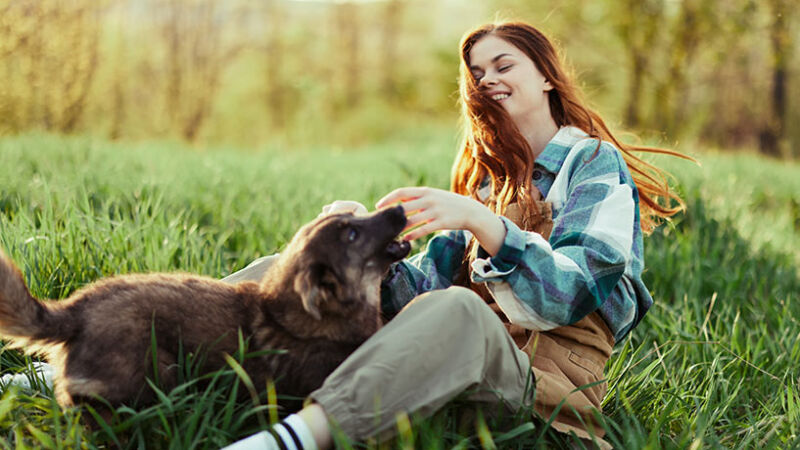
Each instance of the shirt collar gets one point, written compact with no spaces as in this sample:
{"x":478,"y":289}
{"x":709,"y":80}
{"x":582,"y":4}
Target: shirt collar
{"x":555,"y":152}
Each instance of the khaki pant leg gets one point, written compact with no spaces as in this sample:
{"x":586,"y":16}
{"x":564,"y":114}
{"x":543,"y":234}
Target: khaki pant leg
{"x":254,"y":271}
{"x":438,"y":346}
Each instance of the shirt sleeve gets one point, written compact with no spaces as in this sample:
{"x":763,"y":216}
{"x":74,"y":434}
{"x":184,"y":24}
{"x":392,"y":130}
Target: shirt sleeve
{"x":542,"y":284}
{"x":434,"y":267}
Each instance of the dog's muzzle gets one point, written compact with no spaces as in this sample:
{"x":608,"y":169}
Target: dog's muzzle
{"x":398,"y":249}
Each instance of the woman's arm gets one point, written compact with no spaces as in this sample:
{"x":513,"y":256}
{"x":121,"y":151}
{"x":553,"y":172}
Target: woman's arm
{"x":435,"y":267}
{"x":543,"y":284}
{"x":430,"y":209}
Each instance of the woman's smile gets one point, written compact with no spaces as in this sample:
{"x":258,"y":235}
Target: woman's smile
{"x":501,"y":69}
{"x":500,"y":96}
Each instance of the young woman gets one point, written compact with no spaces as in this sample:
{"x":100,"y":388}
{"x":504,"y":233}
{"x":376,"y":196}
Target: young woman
{"x":544,"y":222}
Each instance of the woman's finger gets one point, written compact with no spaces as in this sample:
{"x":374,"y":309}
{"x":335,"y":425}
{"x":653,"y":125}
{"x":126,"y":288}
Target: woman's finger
{"x":422,"y":231}
{"x":400,"y":195}
{"x":419,"y":218}
{"x":325,"y":210}
{"x":415,"y":206}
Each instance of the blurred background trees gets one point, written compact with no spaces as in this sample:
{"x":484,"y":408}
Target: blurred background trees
{"x":718,"y":73}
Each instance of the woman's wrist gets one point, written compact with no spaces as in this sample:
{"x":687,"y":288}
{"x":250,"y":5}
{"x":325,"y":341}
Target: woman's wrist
{"x":488,"y":229}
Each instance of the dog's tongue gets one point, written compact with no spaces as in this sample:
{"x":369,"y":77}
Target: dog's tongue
{"x":398,"y":249}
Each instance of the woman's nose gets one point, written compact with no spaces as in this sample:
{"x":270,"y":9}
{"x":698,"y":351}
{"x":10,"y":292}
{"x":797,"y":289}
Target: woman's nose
{"x":487,"y":81}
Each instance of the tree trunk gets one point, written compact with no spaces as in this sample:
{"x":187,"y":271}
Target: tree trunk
{"x":276,"y":92}
{"x":638,"y":25}
{"x":172,"y":35}
{"x":773,"y":139}
{"x":690,"y":29}
{"x":348,"y":26}
{"x":86,"y":60}
{"x":391,"y":30}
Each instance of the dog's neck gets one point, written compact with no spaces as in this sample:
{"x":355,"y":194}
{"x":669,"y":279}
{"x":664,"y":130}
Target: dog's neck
{"x":285,"y":307}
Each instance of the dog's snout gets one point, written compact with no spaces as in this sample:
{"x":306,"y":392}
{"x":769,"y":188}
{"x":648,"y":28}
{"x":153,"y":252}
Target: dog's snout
{"x":396,"y":215}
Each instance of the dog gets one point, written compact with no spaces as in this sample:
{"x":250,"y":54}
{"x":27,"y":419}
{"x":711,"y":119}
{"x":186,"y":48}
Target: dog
{"x":319,"y":302}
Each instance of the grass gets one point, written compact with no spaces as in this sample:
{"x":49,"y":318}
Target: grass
{"x":715,"y":364}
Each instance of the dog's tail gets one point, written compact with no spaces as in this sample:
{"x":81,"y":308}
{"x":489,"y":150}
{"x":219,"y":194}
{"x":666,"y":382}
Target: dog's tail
{"x":24,"y":320}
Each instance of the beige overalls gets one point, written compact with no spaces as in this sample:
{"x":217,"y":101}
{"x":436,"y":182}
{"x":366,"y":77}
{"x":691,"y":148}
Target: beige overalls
{"x":562,"y":359}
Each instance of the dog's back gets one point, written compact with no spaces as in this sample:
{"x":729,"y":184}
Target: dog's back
{"x":319,"y":303}
{"x":109,"y":338}
{"x":106,"y":339}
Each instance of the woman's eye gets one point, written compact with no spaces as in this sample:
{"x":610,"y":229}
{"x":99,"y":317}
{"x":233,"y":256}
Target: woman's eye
{"x":504,"y":68}
{"x":351,"y":235}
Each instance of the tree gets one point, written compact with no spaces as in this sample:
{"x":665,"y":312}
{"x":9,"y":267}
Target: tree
{"x":275,"y":52}
{"x":348,"y":28}
{"x":50,"y":53}
{"x":393,"y":16}
{"x":773,"y":136}
{"x":639,"y":23}
{"x":690,"y":28}
{"x":196,"y":55}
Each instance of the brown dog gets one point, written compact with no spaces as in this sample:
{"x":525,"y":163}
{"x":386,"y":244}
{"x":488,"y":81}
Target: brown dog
{"x":319,"y":302}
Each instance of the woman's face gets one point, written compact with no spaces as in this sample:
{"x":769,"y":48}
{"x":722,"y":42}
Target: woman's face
{"x":509,"y":77}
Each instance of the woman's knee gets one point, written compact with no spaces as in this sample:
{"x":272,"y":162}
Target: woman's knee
{"x":458,"y":304}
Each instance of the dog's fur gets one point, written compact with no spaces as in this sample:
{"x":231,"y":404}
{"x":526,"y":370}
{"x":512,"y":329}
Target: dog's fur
{"x":319,"y":302}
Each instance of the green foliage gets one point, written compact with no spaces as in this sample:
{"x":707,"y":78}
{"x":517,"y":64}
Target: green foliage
{"x":713,"y":365}
{"x":248,"y":73}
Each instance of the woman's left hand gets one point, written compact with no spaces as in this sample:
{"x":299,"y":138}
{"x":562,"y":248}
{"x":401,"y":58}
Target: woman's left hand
{"x":431,"y":210}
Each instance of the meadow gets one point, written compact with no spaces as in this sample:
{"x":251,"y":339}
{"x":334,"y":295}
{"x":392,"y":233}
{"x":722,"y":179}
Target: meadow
{"x":715,"y":363}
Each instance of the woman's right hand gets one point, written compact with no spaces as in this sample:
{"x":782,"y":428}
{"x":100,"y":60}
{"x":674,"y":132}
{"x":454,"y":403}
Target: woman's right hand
{"x":343,"y":206}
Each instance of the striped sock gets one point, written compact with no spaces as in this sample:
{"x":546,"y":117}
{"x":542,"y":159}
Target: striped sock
{"x":259,"y":441}
{"x":291,"y":433}
{"x":298,"y":428}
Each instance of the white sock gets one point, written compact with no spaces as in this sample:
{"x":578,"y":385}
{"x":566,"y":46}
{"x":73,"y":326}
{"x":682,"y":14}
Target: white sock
{"x":300,"y":428}
{"x":258,"y":441}
{"x":41,"y":374}
{"x":291,"y":433}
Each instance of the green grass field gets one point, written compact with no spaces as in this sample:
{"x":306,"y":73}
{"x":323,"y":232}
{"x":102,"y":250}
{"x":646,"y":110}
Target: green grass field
{"x":715,"y":364}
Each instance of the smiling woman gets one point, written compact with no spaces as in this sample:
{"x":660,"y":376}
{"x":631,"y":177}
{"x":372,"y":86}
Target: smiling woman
{"x":557,"y":257}
{"x":491,"y":124}
{"x":507,"y":76}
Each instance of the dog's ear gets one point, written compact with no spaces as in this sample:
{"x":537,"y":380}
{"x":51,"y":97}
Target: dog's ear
{"x":316,"y":284}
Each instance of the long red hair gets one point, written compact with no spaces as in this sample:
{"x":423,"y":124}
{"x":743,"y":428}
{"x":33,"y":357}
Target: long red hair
{"x":493,"y":146}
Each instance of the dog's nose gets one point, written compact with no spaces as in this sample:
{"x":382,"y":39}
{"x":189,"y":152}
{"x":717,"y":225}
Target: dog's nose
{"x":396,"y":214}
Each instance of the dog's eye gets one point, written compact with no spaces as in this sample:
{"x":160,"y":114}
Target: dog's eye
{"x":351,"y":234}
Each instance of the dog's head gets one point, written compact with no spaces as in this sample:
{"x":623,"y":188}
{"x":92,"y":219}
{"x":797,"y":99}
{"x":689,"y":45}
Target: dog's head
{"x":338,"y":260}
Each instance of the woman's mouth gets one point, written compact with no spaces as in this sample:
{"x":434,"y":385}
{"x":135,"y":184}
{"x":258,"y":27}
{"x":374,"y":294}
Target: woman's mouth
{"x":500,"y":97}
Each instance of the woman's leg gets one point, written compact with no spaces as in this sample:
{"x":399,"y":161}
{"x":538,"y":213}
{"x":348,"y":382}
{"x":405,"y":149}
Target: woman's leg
{"x":442,"y":344}
{"x":254,"y":271}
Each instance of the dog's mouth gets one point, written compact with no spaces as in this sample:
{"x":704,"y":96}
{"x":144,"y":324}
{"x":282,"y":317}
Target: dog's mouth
{"x":398,"y":250}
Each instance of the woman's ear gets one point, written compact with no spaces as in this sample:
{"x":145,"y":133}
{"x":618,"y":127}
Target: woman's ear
{"x":547,"y":86}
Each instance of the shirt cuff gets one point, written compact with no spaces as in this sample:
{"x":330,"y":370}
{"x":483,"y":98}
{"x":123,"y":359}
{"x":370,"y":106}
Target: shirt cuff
{"x":506,"y":259}
{"x":396,"y":290}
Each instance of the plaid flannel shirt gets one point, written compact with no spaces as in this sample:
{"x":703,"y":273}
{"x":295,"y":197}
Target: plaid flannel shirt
{"x":592,"y":261}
